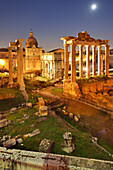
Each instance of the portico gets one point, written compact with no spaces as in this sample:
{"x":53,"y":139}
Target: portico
{"x":92,"y":47}
{"x":84,"y":40}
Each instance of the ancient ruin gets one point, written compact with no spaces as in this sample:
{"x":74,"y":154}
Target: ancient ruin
{"x":82,"y":40}
{"x":17,"y":44}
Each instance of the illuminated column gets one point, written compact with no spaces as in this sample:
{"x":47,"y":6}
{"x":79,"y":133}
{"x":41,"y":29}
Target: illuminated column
{"x":94,"y":60}
{"x":102,"y":72}
{"x":66,"y":55}
{"x":87,"y":61}
{"x":10,"y":84}
{"x":107,"y":60}
{"x":81,"y":61}
{"x":18,"y":65}
{"x":73,"y":58}
{"x":99,"y":60}
{"x":21,"y":82}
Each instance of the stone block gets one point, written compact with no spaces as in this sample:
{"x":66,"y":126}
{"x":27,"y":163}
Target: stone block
{"x":100,"y":86}
{"x":85,"y":89}
{"x":93,"y":87}
{"x":46,"y":146}
{"x":26,"y":117}
{"x":111,"y":93}
{"x":41,"y":119}
{"x":65,"y":113}
{"x":19,"y":140}
{"x":13,"y":110}
{"x":41,"y":102}
{"x":110,"y":82}
{"x":105,"y":94}
{"x":43,"y":110}
{"x":99,"y":96}
{"x":35,"y":132}
{"x":9,"y":143}
{"x":36,"y":113}
{"x":4,"y":122}
{"x":76,"y":118}
{"x":67,"y":145}
{"x":64,"y":108}
{"x":29,"y":105}
{"x":71,"y":115}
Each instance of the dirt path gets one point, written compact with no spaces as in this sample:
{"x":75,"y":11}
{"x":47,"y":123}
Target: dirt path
{"x":97,"y":122}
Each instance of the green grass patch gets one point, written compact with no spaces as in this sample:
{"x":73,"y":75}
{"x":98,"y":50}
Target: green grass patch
{"x":53,"y":129}
{"x":6,"y":104}
{"x":60,"y":90}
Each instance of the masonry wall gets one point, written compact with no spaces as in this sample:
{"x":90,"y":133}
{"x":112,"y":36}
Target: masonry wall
{"x":26,"y":160}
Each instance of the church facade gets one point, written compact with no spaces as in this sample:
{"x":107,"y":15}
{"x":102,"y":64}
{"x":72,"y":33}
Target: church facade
{"x":38,"y":62}
{"x":32,"y":55}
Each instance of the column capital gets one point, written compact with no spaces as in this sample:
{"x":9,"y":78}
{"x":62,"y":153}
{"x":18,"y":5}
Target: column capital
{"x":99,"y":46}
{"x":65,"y":45}
{"x":93,"y":46}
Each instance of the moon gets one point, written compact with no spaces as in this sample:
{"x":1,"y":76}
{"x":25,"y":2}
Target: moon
{"x":93,"y":6}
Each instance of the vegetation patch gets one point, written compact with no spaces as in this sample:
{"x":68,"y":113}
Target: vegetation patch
{"x":53,"y":129}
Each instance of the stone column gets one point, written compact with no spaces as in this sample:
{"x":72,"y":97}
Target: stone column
{"x":102,"y":71}
{"x":99,"y":60}
{"x":81,"y":61}
{"x":87,"y":61}
{"x":18,"y":65}
{"x":10,"y":84}
{"x":21,"y":82}
{"x":94,"y":60}
{"x":107,"y":60}
{"x":73,"y":60}
{"x":66,"y":55}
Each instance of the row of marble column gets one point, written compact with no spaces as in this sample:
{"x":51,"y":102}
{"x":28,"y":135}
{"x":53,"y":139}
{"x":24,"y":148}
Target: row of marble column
{"x":20,"y":79}
{"x":73,"y":61}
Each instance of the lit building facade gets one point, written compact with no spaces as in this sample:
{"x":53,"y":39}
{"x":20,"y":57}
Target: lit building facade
{"x":32,"y":55}
{"x":52,"y":64}
{"x":4,"y":59}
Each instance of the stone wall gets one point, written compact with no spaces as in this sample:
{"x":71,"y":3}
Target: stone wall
{"x":20,"y":160}
{"x":3,"y":81}
{"x":99,"y":93}
{"x":71,"y":89}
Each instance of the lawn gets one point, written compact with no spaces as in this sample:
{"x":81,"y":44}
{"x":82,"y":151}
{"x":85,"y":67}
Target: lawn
{"x":53,"y":129}
{"x":9,"y":103}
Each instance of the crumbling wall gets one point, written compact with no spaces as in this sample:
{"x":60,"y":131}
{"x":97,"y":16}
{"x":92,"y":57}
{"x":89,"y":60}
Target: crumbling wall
{"x":99,"y":93}
{"x":20,"y":160}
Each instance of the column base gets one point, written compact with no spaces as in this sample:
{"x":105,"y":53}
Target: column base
{"x":22,"y":87}
{"x":66,"y":81}
{"x":71,"y":89}
{"x":10,"y":85}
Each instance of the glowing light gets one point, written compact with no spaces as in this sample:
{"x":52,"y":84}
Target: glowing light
{"x":93,"y":6}
{"x":2,"y":62}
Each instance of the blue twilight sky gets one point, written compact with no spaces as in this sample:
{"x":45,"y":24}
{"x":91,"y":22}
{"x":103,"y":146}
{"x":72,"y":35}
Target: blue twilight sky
{"x":52,"y":19}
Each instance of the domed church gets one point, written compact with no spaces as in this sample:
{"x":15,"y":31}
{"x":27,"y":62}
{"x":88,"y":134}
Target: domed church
{"x":32,"y":55}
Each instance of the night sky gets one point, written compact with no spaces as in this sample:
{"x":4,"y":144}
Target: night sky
{"x":52,"y":19}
